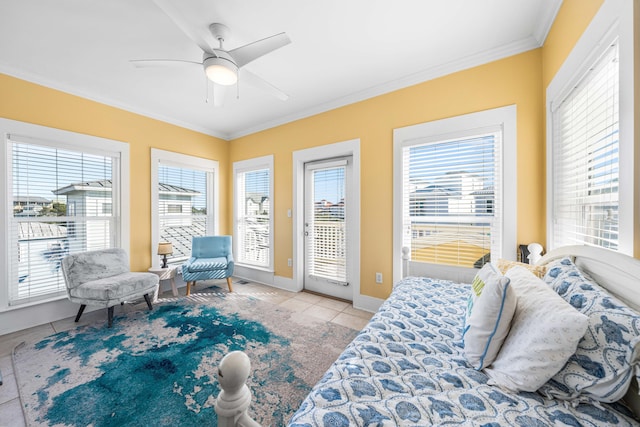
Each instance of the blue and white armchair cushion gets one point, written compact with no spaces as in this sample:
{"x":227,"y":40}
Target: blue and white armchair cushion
{"x":211,"y":258}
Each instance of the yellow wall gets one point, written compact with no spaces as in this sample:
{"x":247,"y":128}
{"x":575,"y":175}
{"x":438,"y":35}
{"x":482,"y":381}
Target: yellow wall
{"x":28,"y":102}
{"x":572,"y":19}
{"x":515,"y":80}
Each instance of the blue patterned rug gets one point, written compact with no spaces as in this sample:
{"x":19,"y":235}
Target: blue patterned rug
{"x":158,"y":367}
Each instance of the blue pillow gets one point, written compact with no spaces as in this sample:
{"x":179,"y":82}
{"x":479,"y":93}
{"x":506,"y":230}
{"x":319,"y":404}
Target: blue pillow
{"x":608,"y":355}
{"x":558,"y":270}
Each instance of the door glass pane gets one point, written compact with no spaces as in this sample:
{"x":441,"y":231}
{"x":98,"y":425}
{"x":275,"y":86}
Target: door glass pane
{"x":326,"y":228}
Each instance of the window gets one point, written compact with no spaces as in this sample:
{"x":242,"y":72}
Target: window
{"x":590,"y":161}
{"x":586,"y":158}
{"x":183,"y":200}
{"x":253,"y":189}
{"x":455,"y":185}
{"x":78,"y":180}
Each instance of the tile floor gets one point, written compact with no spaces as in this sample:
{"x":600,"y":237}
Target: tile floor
{"x":306,"y":304}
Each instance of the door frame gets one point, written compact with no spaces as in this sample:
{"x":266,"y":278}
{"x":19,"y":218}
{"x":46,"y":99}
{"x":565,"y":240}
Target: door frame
{"x":300,"y":157}
{"x":323,"y":284}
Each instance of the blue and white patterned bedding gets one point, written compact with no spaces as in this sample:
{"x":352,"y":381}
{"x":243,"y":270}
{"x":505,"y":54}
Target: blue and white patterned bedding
{"x":407,"y":367}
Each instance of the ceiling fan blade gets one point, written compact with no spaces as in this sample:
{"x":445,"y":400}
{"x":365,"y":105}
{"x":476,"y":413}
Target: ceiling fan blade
{"x":152,"y":63}
{"x":247,"y":53}
{"x":179,"y":19}
{"x":258,"y":82}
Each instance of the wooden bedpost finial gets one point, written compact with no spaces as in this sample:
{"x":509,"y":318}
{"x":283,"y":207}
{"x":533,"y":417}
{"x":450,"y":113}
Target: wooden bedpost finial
{"x":233,"y":401}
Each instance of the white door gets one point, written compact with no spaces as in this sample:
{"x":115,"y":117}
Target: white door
{"x":325,"y":228}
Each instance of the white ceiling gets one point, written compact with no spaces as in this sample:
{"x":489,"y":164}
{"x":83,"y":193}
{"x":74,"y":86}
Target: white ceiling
{"x":342,"y":51}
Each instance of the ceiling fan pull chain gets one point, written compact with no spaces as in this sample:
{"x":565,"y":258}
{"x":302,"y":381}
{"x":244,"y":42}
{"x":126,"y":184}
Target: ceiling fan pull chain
{"x":206,"y":88}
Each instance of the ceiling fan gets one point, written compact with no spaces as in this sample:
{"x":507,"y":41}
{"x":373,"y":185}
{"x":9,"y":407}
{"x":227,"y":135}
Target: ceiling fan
{"x":220,"y":66}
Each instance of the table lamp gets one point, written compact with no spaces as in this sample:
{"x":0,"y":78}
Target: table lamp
{"x":164,"y":249}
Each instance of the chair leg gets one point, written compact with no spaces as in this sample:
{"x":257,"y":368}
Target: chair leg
{"x":189,"y":287}
{"x":110,"y":316}
{"x":148,"y":300}
{"x":229,"y":284}
{"x":82,"y":307}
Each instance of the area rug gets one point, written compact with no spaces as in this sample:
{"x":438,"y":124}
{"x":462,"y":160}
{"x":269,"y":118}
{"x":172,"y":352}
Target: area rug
{"x":159,"y":367}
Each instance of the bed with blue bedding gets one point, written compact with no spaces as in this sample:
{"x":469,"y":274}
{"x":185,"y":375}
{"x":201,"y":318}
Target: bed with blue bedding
{"x":407,"y":367}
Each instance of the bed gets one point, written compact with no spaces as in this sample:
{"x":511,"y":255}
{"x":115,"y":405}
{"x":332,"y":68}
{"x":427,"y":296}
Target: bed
{"x":409,"y":365}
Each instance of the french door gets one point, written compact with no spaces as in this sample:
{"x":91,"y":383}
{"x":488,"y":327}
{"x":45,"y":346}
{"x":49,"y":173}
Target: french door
{"x":325,"y":227}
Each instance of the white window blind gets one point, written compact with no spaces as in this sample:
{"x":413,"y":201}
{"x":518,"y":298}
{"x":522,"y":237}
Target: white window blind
{"x":585,"y":151}
{"x":326,"y":226}
{"x":63,"y":202}
{"x":452,"y":199}
{"x":253,"y":219}
{"x":183,"y":195}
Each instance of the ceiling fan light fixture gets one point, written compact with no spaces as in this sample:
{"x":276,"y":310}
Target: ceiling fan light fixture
{"x":221,"y":71}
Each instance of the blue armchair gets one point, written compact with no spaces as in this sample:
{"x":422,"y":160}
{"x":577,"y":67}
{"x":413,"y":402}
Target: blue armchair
{"x":211,"y":258}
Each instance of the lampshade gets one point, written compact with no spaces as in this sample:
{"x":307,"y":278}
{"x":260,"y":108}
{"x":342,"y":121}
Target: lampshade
{"x":220,"y":70}
{"x":165,"y":248}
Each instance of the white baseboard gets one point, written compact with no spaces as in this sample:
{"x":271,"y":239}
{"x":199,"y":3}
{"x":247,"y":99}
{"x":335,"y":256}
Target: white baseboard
{"x":260,"y":276}
{"x":286,"y":283}
{"x":367,"y":303}
{"x":17,"y":319}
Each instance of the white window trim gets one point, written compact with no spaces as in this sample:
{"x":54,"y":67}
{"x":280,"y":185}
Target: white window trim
{"x":505,"y":117}
{"x":264,"y":162}
{"x":66,"y":140}
{"x":188,"y":162}
{"x":614,"y":19}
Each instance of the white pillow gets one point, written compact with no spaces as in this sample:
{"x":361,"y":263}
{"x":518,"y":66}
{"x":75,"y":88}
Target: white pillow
{"x":545,"y":332}
{"x":489,"y":315}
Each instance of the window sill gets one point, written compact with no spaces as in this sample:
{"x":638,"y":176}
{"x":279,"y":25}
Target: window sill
{"x":255,"y":267}
{"x":32,"y":303}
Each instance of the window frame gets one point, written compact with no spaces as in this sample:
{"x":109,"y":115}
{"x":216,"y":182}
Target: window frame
{"x":459,"y":126}
{"x":243,"y":166}
{"x":61,"y":139}
{"x":185,"y":161}
{"x":613,"y":20}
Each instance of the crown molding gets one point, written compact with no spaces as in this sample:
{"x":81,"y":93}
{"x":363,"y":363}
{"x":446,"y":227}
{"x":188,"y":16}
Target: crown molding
{"x":471,"y":61}
{"x":43,"y":81}
{"x":547,"y":17}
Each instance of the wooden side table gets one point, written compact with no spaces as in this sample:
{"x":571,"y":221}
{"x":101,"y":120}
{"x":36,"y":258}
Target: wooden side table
{"x":168,"y":273}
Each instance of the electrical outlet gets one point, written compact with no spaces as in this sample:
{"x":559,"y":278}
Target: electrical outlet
{"x":378,"y":277}
{"x":289,"y":262}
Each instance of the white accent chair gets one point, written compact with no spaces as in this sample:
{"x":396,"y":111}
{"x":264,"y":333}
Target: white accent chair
{"x":103,"y":278}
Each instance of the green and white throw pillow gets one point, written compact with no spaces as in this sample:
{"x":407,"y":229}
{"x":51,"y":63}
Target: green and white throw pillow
{"x":489,"y":312}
